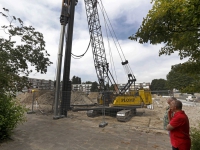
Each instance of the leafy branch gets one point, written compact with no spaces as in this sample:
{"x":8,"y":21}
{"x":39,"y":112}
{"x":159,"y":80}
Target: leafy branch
{"x":15,"y":56}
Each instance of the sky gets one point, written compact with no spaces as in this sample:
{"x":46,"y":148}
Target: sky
{"x":125,"y":16}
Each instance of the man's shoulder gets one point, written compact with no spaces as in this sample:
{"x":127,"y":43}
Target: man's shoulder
{"x":181,"y":114}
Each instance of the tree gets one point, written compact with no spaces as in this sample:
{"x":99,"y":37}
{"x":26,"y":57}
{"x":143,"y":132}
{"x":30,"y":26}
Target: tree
{"x":76,"y":80}
{"x":158,"y":84}
{"x":94,"y":87}
{"x":176,"y":24}
{"x":15,"y":57}
{"x":88,"y":82}
{"x":184,"y":82}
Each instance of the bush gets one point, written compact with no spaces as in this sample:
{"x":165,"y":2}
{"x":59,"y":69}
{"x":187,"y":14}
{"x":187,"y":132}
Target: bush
{"x":11,"y":114}
{"x":195,"y":138}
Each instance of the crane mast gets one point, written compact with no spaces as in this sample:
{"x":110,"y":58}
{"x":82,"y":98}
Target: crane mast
{"x":100,"y":62}
{"x":98,"y":50}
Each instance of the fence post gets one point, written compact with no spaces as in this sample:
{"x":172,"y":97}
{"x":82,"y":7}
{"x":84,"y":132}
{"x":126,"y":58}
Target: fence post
{"x":32,"y":112}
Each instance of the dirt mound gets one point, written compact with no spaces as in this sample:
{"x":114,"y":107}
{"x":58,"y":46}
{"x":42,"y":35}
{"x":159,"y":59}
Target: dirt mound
{"x":28,"y":97}
{"x":47,"y":98}
{"x":43,"y":100}
{"x":80,"y":98}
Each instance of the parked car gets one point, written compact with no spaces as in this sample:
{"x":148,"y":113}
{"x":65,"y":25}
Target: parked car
{"x":191,"y":98}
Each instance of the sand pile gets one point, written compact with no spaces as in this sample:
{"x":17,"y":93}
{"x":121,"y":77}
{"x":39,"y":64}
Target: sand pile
{"x":80,"y":98}
{"x":44,"y":100}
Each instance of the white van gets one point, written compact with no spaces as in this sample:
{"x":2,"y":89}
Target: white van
{"x":191,"y":98}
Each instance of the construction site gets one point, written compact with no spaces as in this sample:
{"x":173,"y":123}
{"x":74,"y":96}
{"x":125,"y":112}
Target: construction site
{"x":148,"y":119}
{"x":78,"y":131}
{"x":63,"y":116}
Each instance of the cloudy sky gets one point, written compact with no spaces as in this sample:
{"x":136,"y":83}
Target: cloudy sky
{"x":125,"y":17}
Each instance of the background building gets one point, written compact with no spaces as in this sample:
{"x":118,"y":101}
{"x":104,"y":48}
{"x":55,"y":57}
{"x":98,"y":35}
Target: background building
{"x":49,"y":85}
{"x":41,"y":84}
{"x":81,"y":87}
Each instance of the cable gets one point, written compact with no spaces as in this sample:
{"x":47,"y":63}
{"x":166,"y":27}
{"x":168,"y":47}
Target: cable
{"x":127,"y":68}
{"x":83,"y":53}
{"x":112,"y":29}
{"x":111,"y":32}
{"x":79,"y":56}
{"x":110,"y":52}
{"x":113,"y":39}
{"x":131,"y":78}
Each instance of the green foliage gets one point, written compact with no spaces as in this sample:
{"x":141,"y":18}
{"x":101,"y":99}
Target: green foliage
{"x":185,"y":82}
{"x":195,"y":138}
{"x":94,"y":87}
{"x":76,"y":80}
{"x":158,"y":84}
{"x":88,"y":82}
{"x":191,"y":68}
{"x":16,"y":57}
{"x":174,"y":23}
{"x":11,"y":114}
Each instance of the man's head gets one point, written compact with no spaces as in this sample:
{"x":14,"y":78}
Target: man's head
{"x":169,"y":100}
{"x":176,"y":105}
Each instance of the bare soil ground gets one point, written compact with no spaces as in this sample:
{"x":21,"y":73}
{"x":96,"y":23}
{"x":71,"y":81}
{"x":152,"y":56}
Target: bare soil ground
{"x":148,"y":120}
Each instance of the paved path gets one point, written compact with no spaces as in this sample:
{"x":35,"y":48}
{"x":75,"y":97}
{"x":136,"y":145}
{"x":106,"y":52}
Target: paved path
{"x":41,"y":132}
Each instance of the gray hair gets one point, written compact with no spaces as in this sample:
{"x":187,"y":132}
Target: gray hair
{"x":171,"y":99}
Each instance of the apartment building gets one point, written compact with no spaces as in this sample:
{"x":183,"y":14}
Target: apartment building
{"x":41,"y":84}
{"x":49,"y":85}
{"x":136,"y":86}
{"x":81,"y":87}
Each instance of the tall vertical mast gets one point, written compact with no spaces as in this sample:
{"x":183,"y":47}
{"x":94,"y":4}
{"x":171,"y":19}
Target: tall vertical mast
{"x":63,"y":20}
{"x":66,"y":86}
{"x":67,"y":17}
{"x":99,"y":55}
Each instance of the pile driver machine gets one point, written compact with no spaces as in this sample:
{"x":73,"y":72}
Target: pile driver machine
{"x":122,"y":101}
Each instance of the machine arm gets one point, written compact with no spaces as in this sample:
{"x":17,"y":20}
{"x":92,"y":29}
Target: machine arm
{"x":99,"y":55}
{"x":97,"y":44}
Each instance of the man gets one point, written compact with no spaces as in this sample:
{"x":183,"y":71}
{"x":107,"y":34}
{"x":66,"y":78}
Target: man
{"x":168,"y":113}
{"x":179,"y":127}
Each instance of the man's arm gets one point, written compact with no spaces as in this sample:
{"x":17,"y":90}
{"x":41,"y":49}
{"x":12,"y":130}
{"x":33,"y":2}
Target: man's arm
{"x":169,"y":127}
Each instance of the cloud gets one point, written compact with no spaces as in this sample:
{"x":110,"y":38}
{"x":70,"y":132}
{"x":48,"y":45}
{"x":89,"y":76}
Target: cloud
{"x":125,"y":16}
